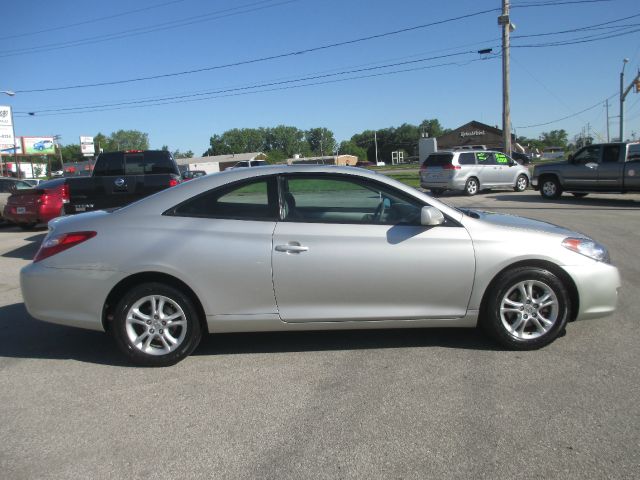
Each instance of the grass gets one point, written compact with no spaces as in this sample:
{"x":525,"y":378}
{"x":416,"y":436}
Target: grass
{"x":411,"y":179}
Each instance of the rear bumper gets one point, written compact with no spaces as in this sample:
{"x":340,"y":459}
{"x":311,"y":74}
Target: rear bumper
{"x":41,"y":214}
{"x":70,"y":297}
{"x":598,"y":286}
{"x":444,"y":183}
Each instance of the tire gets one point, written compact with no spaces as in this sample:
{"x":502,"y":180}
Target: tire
{"x":147,"y":339}
{"x":550,"y":188}
{"x":514,"y":318}
{"x":579,"y":194}
{"x":471,"y":187}
{"x":522,"y":182}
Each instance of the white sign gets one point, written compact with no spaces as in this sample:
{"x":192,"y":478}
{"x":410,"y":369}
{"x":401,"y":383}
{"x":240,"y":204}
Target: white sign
{"x":5,"y":116}
{"x":87,"y":147}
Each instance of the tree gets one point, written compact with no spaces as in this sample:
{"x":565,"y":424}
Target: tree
{"x":287,"y":141}
{"x":130,"y":140}
{"x":179,"y":154}
{"x":350,"y":148}
{"x":555,"y":138}
{"x":71,"y":153}
{"x":320,"y":140}
{"x":433,"y":128}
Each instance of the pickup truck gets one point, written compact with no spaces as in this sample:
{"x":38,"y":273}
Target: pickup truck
{"x":120,"y":178}
{"x":603,"y":168}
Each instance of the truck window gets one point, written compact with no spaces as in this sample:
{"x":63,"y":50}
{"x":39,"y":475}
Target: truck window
{"x":634,"y":153}
{"x":589,"y":154}
{"x":610,"y":153}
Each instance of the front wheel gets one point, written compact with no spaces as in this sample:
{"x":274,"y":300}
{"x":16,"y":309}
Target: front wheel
{"x":550,"y":188}
{"x":521,"y":183}
{"x":471,"y":187}
{"x":526,"y":309}
{"x":156,"y":325}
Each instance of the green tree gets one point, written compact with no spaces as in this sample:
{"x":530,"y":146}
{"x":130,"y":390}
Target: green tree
{"x":179,"y":154}
{"x":129,"y":140}
{"x":71,"y":153}
{"x":433,"y":127}
{"x":320,"y":141}
{"x":351,"y":148}
{"x":555,"y":138}
{"x":287,"y":141}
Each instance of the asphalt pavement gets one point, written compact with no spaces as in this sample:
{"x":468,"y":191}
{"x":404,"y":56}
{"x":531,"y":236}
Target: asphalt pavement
{"x":371,"y":404}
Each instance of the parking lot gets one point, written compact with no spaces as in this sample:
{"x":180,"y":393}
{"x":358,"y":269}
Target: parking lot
{"x":370,"y":404}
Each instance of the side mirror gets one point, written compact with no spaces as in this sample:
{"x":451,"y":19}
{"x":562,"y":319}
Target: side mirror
{"x":512,"y":163}
{"x":431,"y":216}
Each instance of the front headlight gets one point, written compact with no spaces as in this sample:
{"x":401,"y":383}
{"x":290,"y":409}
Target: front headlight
{"x":588,"y":248}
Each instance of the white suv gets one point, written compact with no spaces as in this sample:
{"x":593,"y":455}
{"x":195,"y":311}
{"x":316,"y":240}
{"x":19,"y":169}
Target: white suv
{"x":471,"y":171}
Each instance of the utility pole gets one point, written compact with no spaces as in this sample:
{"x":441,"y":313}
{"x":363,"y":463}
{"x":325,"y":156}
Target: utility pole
{"x":607,"y":107}
{"x":507,"y":27}
{"x":623,"y":93}
{"x":375,"y":141}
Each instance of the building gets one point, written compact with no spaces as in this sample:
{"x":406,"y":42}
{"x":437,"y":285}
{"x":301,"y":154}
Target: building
{"x":217,"y":163}
{"x":475,"y":134}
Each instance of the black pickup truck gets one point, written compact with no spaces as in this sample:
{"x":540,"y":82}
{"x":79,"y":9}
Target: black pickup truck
{"x":120,"y":178}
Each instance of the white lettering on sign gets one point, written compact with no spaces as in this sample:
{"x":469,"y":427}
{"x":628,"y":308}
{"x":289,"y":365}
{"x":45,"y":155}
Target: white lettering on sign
{"x":473,"y":133}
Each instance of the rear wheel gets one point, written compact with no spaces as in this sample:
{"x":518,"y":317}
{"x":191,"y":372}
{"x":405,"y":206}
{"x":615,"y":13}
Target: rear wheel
{"x":522,"y":183}
{"x":527,"y":308}
{"x":156,"y":325}
{"x":471,"y":187}
{"x":550,"y":188}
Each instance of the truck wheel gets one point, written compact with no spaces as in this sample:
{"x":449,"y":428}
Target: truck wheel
{"x":521,"y":183}
{"x":471,"y":187}
{"x":550,"y":188}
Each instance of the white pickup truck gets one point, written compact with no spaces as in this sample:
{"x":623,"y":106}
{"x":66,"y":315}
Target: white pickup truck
{"x":604,"y":167}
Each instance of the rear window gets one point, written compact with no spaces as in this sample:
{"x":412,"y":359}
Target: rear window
{"x":51,"y":183}
{"x":634,"y":152}
{"x":134,"y":163}
{"x":438,"y":160}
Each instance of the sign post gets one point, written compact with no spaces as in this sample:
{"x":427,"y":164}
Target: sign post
{"x":8,"y":135}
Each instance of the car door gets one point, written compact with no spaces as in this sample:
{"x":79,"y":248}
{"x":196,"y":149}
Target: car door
{"x":582,"y":170}
{"x":223,"y":245}
{"x":350,"y":249}
{"x":488,"y":169}
{"x":506,"y":170}
{"x":611,"y":167}
{"x":632,"y":168}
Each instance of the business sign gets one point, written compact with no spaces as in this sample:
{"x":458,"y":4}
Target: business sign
{"x":38,"y":146}
{"x":473,"y":133}
{"x":7,"y":137}
{"x":10,"y":149}
{"x":87,"y":147}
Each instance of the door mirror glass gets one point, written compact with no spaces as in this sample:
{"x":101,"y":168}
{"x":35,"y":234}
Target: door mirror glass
{"x":431,"y":216}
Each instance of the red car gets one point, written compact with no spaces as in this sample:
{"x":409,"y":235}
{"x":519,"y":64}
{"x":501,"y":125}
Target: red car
{"x":36,"y":205}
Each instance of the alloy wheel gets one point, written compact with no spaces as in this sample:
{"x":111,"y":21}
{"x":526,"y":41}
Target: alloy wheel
{"x":529,"y":309}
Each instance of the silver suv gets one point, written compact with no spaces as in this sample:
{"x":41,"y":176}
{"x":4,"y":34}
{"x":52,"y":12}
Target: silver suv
{"x":471,"y":171}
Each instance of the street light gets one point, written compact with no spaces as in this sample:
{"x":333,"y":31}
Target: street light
{"x":624,"y":64}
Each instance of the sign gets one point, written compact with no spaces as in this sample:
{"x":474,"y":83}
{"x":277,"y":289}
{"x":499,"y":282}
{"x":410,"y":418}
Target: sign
{"x":10,"y":149}
{"x":38,"y":146}
{"x":473,"y":133}
{"x":7,"y":136}
{"x":87,"y":147}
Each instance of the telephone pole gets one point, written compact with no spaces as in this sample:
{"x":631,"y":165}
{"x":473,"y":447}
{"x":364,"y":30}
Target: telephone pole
{"x":607,"y":107}
{"x":507,"y":27}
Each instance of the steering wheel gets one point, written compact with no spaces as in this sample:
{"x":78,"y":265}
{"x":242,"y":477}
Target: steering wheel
{"x":380,"y":211}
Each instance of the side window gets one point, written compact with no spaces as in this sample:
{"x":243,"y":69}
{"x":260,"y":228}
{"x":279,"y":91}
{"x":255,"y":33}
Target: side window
{"x":22,"y":185}
{"x":467,"y":159}
{"x":633,"y":155}
{"x":252,"y":200}
{"x":325,"y":199}
{"x":501,"y":158}
{"x":485,"y":158}
{"x":589,"y":154}
{"x":610,"y":153}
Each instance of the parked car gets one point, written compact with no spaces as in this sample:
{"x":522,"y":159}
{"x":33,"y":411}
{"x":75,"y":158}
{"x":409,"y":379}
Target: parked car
{"x":605,"y":167}
{"x":7,"y":186}
{"x":521,"y":158}
{"x":191,"y":174}
{"x":472,"y":171}
{"x":119,"y":178}
{"x":29,"y":207}
{"x":250,"y":163}
{"x":307,"y":248}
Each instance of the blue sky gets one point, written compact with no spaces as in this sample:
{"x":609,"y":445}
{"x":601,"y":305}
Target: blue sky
{"x":547,"y":82}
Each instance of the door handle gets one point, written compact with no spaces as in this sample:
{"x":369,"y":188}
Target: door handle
{"x":291,"y":248}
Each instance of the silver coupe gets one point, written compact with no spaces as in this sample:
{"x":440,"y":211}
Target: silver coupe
{"x":310,"y":248}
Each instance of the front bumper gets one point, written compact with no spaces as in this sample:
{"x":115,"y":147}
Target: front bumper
{"x":71,"y":297}
{"x":598,"y":287}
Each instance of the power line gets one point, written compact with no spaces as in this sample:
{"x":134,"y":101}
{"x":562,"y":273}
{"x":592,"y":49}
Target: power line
{"x":215,"y":15}
{"x":264,"y":59}
{"x":260,"y":85}
{"x":575,"y":41}
{"x":92,"y":20}
{"x":278,"y":88}
{"x":570,"y":116}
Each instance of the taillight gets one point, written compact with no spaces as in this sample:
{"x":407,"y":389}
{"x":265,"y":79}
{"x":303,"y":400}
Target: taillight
{"x":450,"y":166}
{"x":173,"y":182}
{"x":60,"y":243}
{"x":65,"y":193}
